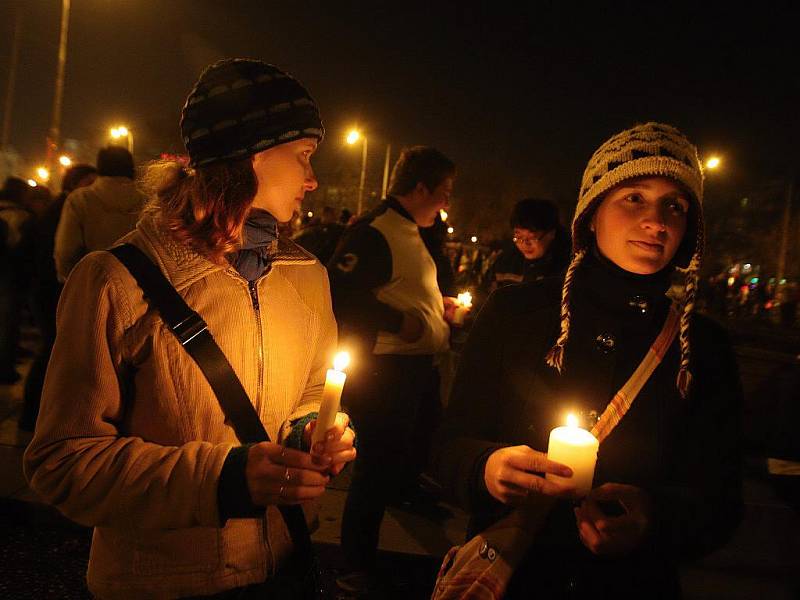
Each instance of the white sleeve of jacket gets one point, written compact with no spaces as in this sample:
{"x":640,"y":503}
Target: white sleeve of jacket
{"x":78,"y":460}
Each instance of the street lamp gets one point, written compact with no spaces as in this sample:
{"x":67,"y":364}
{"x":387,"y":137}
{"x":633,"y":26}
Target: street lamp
{"x":352,"y":137}
{"x":65,"y":161}
{"x":123,"y":132}
{"x":713,"y":162}
{"x":54,"y":134}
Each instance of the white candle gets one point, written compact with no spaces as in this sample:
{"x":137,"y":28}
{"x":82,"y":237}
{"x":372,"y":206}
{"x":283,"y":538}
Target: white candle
{"x":576,"y":448}
{"x":331,"y":395}
{"x":463,"y":304}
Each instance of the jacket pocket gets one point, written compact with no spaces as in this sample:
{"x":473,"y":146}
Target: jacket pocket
{"x":161,"y":552}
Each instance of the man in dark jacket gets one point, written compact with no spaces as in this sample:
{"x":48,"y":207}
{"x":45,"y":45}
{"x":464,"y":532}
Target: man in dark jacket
{"x":16,"y":267}
{"x":391,"y":316}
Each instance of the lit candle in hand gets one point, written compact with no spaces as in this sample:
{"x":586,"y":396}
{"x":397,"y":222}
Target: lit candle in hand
{"x":331,"y":394}
{"x":576,"y":448}
{"x":463,"y":304}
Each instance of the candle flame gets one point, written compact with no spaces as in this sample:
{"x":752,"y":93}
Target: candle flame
{"x":572,"y":420}
{"x":465,"y":299}
{"x":341,"y":360}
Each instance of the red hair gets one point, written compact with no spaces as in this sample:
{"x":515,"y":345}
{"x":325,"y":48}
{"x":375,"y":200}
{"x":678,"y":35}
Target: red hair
{"x":206,"y":207}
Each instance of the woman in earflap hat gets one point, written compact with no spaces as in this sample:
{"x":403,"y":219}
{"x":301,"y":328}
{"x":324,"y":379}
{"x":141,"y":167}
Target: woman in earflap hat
{"x":131,"y":438}
{"x":667,"y":484}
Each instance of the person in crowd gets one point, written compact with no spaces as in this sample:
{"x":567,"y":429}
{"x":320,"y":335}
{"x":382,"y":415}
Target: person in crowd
{"x":131,"y":439}
{"x":17,"y":239}
{"x":391,"y":314}
{"x":540,"y":247}
{"x":667,"y":484}
{"x":46,"y":289}
{"x":322,"y":237}
{"x":95,"y":216}
{"x":38,"y":199}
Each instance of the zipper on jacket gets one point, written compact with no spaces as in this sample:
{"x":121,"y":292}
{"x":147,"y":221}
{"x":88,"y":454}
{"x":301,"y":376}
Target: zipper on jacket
{"x":256,"y":306}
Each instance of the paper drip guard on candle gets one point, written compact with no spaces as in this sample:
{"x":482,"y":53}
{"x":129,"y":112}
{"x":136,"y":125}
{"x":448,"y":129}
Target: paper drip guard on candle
{"x":331,"y":395}
{"x":576,"y":448}
{"x":463,"y":304}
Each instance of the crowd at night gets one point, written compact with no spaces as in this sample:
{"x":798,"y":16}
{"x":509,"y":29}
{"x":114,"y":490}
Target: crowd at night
{"x":364,"y":301}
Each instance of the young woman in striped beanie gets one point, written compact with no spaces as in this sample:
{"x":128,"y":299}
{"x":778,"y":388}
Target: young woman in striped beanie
{"x":132,"y":438}
{"x":667,"y":481}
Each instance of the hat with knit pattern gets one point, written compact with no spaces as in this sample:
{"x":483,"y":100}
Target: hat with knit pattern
{"x":648,"y":150}
{"x":240,"y":107}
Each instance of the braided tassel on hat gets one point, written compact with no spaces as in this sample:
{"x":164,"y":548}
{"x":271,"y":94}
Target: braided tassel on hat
{"x":555,"y":357}
{"x":684,"y":380}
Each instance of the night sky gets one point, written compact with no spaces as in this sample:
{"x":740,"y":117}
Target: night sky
{"x":519,"y":98}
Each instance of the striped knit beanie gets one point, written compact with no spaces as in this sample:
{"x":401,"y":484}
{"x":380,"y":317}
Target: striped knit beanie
{"x":648,"y":150}
{"x":240,"y":107}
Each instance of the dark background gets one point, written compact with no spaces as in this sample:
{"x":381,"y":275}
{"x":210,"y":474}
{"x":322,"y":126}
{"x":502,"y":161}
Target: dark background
{"x":519,"y":97}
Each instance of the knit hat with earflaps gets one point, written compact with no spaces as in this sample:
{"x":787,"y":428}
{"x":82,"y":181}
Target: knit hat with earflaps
{"x":648,"y":150}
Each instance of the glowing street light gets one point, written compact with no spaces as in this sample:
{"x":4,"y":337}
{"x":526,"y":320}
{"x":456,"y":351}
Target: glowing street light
{"x":120,"y":132}
{"x":65,"y":160}
{"x":32,"y":182}
{"x":450,"y":230}
{"x":42,"y":173}
{"x":474,"y":239}
{"x":353,"y":136}
{"x":713,"y":162}
{"x":443,"y":214}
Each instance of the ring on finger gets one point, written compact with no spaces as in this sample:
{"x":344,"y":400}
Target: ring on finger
{"x":280,"y":492}
{"x":287,"y":477}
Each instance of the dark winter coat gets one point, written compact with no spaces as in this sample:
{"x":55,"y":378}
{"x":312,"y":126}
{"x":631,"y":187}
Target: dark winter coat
{"x":684,"y":453}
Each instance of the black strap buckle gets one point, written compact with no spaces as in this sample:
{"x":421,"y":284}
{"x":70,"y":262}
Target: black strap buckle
{"x":189,"y":328}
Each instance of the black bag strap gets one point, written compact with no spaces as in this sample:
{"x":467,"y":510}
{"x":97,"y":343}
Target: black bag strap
{"x":193,"y":334}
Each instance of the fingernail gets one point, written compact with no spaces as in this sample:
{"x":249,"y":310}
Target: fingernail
{"x":330,"y":436}
{"x":318,"y":448}
{"x":566,"y":472}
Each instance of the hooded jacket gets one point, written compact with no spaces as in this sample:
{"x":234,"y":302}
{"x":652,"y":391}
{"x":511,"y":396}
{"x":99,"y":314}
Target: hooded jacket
{"x":131,"y":439}
{"x":93,"y":218}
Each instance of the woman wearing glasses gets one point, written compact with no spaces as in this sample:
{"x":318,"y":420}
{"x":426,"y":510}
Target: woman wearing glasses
{"x":541,"y":246}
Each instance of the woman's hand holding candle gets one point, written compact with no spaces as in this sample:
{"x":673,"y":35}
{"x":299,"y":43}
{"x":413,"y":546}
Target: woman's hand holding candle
{"x":577,"y":448}
{"x":512,"y":473}
{"x":329,"y":436}
{"x":336,"y":448}
{"x":607,"y":535}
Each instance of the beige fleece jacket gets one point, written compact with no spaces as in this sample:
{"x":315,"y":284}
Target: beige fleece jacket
{"x":131,"y":439}
{"x":93,"y":218}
